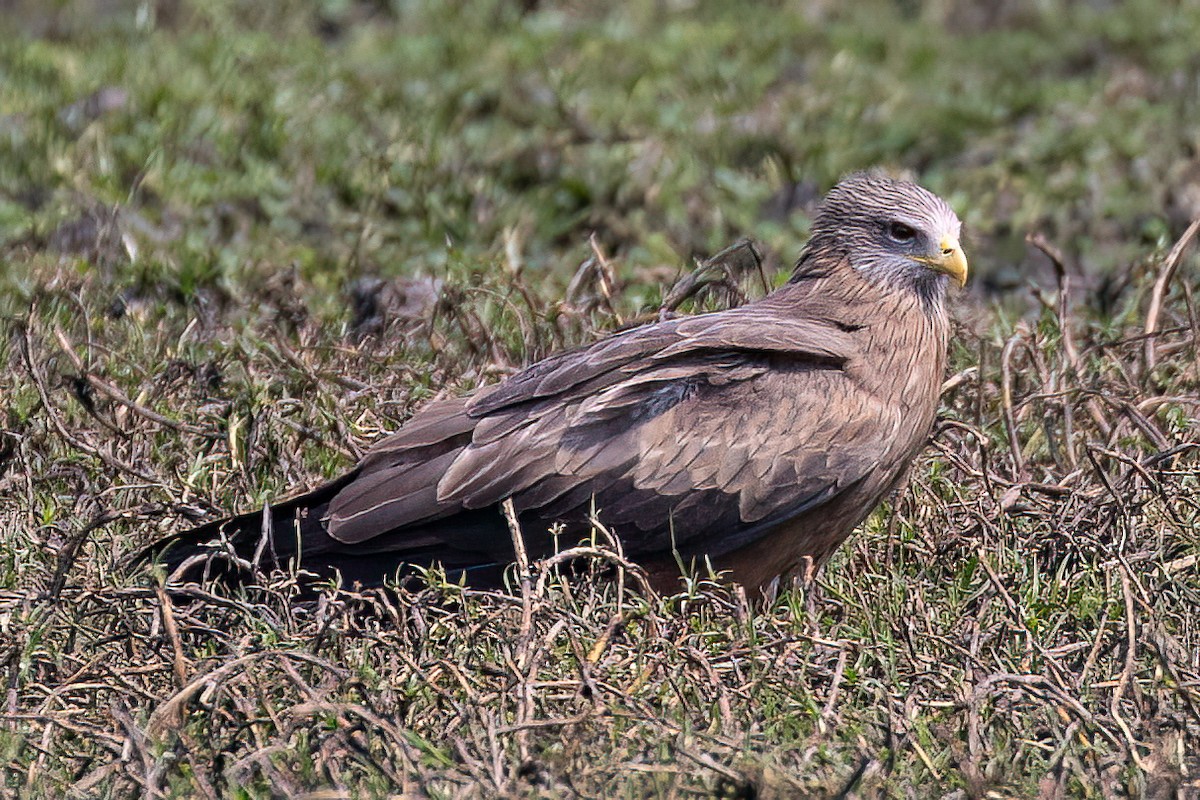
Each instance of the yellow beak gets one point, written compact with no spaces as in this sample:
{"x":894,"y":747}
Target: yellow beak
{"x":949,"y":261}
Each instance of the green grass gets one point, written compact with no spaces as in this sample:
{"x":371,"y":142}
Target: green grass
{"x":193,"y":195}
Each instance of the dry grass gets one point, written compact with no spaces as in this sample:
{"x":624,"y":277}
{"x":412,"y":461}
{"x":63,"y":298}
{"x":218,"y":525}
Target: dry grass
{"x":1019,"y":622}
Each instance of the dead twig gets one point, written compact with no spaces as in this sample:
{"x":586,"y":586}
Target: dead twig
{"x":1166,"y":271}
{"x":721,"y":269}
{"x":116,"y":395}
{"x":56,"y":422}
{"x":178,"y":661}
{"x":1010,"y":422}
{"x":1126,"y":676}
{"x":525,"y":658}
{"x":1062,"y":311}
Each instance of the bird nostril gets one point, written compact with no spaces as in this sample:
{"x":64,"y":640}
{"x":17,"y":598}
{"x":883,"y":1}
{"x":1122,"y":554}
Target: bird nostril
{"x":948,"y":251}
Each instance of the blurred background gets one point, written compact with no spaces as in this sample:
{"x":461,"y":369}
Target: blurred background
{"x":208,"y":145}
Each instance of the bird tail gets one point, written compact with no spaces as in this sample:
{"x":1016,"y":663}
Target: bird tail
{"x":283,"y":536}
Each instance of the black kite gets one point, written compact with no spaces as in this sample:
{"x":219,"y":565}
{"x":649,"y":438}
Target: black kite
{"x":757,"y":437}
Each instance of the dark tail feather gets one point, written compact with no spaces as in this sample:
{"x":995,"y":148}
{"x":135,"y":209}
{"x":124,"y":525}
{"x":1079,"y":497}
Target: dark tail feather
{"x":232,"y":549}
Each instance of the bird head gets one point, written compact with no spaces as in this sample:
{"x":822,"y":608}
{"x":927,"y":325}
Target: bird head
{"x":894,"y":231}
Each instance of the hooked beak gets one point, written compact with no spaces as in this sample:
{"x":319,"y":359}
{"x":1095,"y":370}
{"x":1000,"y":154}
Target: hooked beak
{"x":949,"y":260}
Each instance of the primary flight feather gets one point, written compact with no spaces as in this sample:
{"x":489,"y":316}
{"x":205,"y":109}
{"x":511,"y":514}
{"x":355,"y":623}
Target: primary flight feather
{"x":756,"y":438}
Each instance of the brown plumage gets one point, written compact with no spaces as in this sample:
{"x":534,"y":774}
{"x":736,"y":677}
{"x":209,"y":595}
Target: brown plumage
{"x":757,"y":437}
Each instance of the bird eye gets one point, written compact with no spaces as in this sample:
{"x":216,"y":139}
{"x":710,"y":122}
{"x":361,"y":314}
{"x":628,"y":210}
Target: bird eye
{"x":900,"y":232}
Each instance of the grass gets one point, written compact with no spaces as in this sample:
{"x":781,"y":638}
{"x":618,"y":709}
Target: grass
{"x":240,"y":241}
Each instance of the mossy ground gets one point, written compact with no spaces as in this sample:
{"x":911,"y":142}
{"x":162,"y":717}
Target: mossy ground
{"x":241,"y":240}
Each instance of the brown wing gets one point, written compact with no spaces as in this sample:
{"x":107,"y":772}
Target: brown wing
{"x":728,"y":471}
{"x":721,"y":423}
{"x":759,"y":328}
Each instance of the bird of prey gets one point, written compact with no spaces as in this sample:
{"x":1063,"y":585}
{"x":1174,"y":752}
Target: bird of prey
{"x":755,"y":438}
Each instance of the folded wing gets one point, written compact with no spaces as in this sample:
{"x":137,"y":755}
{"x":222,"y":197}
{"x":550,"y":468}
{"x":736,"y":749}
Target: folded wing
{"x":696,"y":434}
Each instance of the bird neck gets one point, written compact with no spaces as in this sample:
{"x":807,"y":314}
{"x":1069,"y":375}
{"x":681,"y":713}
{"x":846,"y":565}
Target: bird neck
{"x":828,"y":289}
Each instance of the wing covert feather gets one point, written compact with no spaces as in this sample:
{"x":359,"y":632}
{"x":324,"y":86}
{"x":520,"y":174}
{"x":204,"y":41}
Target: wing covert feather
{"x":717,"y":419}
